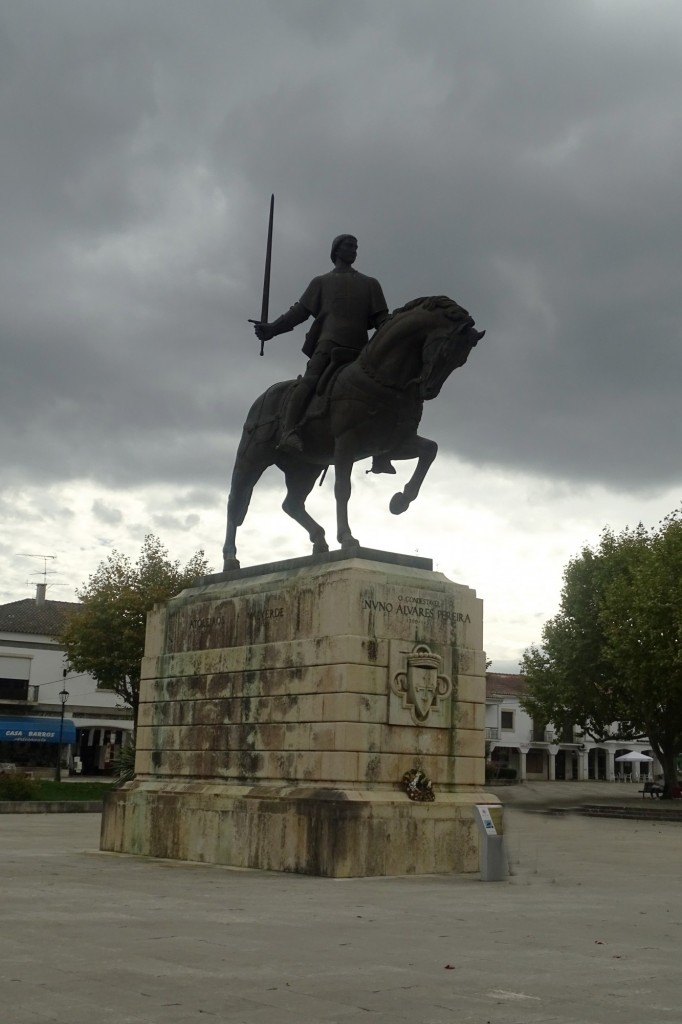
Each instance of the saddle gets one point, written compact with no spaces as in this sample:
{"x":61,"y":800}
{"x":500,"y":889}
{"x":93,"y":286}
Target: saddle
{"x":319,"y":402}
{"x":339,"y":357}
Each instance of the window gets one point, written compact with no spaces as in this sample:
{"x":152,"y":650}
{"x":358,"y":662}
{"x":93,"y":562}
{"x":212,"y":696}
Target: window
{"x":14,"y":676}
{"x":507,"y":721}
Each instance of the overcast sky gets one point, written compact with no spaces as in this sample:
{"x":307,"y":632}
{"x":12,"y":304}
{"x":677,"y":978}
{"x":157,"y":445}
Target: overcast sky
{"x":523,"y":157}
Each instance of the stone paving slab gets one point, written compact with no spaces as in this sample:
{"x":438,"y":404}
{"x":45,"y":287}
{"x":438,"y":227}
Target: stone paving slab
{"x":50,"y":806}
{"x":535,"y":794}
{"x":586,"y":931}
{"x":594,"y":797}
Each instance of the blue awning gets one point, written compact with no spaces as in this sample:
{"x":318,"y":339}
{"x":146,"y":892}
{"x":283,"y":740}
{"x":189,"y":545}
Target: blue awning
{"x":36,"y":730}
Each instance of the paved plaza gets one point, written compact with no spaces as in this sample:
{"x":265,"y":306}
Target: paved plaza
{"x":586,"y":931}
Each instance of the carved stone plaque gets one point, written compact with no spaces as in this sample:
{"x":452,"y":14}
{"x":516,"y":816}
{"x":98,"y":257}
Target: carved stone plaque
{"x":421,"y":686}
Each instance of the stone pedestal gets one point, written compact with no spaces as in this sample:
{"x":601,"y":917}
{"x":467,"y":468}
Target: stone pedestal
{"x":281,"y":706}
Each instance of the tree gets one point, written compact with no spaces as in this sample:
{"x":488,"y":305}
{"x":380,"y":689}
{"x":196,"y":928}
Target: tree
{"x":611,"y":659}
{"x":105,"y":636}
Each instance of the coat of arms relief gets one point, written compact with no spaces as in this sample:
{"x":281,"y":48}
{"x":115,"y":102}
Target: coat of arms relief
{"x":422,"y":686}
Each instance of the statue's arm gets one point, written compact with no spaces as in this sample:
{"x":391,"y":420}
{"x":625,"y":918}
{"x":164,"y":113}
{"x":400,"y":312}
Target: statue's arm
{"x":294,"y":316}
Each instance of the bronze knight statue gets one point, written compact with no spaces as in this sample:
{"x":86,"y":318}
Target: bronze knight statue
{"x":345,"y":305}
{"x":357,"y":398}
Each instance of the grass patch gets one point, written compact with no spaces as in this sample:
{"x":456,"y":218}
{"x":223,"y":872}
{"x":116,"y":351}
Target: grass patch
{"x":18,"y":786}
{"x":46,"y":789}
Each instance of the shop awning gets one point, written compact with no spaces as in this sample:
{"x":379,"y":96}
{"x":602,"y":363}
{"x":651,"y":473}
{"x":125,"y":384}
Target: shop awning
{"x":36,"y":730}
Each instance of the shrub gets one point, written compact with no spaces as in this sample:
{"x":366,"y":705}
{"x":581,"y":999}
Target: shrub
{"x":124,"y":765}
{"x":16,"y":786}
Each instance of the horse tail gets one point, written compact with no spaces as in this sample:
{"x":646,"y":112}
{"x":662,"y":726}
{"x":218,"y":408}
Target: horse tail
{"x":255,"y":453}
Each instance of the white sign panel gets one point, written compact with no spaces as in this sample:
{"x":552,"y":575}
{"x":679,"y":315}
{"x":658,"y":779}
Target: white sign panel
{"x":486,"y":819}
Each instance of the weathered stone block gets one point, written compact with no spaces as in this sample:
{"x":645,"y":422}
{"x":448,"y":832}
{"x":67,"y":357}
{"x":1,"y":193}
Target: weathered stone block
{"x":471,"y":689}
{"x":470,"y":715}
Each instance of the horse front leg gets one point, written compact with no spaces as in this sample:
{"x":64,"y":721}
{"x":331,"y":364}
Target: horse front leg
{"x":425,"y":451}
{"x":344,"y":452}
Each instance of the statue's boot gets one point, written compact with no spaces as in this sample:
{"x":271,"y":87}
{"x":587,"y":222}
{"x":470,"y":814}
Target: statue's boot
{"x":291,"y":442}
{"x":382,"y":464}
{"x":295,"y":411}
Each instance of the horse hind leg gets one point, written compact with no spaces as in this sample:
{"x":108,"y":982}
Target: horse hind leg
{"x":300,"y":482}
{"x":244,"y":479}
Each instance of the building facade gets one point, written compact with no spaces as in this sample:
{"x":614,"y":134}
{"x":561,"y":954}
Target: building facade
{"x":33,"y":672}
{"x":533,"y":751}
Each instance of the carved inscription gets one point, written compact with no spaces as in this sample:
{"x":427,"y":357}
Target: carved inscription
{"x":265,"y":614}
{"x":416,"y":608}
{"x":208,"y":622}
{"x":226,"y":626}
{"x":212,"y":621}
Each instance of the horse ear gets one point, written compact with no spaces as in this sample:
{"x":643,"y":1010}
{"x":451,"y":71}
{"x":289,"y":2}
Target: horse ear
{"x":480,"y":334}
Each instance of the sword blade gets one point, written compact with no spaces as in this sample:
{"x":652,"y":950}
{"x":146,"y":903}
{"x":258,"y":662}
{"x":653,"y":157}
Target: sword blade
{"x":266,"y":276}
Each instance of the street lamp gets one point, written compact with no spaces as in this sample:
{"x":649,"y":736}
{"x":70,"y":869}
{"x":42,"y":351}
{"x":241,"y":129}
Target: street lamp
{"x":63,"y":696}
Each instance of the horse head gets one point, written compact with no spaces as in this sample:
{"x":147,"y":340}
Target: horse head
{"x":420,"y":344}
{"x":446,"y":346}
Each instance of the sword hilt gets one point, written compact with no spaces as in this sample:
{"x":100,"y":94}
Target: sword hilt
{"x":262,"y":344}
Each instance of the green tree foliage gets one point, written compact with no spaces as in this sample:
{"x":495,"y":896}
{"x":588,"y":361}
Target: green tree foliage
{"x":105,"y":637}
{"x":613,"y":653}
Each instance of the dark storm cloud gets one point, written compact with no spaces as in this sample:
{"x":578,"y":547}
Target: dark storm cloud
{"x":523,"y":158}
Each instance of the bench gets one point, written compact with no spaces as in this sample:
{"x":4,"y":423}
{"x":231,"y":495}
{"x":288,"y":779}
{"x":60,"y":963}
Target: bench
{"x":652,"y":788}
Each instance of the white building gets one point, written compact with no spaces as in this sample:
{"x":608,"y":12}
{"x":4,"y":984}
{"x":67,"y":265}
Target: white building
{"x":533,"y":751}
{"x":32,"y":674}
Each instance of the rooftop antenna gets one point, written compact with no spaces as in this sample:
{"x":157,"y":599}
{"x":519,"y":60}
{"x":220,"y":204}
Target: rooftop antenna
{"x":29,"y":583}
{"x":46,"y":572}
{"x":41,"y":588}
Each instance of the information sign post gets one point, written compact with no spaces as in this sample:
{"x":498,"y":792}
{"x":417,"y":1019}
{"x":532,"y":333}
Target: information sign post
{"x":492,"y":856}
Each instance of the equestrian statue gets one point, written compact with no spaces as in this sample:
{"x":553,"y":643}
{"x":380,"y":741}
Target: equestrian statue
{"x":358,"y":398}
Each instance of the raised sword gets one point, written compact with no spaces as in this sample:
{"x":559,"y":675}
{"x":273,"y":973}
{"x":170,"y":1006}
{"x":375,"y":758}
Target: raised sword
{"x":264,"y":309}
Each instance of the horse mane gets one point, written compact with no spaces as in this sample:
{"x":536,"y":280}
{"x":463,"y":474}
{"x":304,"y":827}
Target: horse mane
{"x":431,"y":303}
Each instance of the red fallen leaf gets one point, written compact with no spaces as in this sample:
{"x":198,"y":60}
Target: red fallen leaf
{"x":450,"y":967}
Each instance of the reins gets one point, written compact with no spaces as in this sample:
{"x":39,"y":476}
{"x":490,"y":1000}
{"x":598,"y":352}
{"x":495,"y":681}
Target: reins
{"x":369,"y":371}
{"x":374,"y":377}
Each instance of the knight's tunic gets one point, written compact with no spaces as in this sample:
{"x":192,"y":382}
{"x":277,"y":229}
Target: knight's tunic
{"x":345,"y":306}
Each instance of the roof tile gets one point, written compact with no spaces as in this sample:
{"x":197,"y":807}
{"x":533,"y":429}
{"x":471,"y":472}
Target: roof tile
{"x":38,"y":619}
{"x":505,"y":684}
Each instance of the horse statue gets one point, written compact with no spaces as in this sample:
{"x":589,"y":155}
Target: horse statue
{"x":371,"y":406}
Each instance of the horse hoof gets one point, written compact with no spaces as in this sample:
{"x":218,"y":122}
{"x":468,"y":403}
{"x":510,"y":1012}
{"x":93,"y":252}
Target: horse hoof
{"x":398,"y":503}
{"x":231,"y":563}
{"x":350,"y":545}
{"x":320,"y":547}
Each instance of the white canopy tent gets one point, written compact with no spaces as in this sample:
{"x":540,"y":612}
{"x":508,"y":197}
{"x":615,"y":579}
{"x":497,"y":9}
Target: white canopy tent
{"x":634,"y":755}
